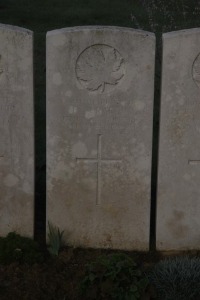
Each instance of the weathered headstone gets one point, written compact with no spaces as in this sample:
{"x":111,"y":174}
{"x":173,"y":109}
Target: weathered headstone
{"x":178,"y":203}
{"x":16,"y":131}
{"x":100,"y":83}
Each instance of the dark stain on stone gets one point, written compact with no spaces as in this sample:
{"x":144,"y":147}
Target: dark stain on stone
{"x":176,"y":226}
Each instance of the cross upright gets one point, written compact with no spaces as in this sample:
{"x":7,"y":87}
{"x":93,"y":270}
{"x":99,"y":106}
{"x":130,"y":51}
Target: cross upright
{"x":98,"y":160}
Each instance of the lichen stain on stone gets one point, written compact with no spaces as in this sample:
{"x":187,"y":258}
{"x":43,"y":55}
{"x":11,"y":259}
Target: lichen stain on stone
{"x":57,"y":79}
{"x":178,"y":126}
{"x":79,"y":150}
{"x":99,"y":33}
{"x":10,"y":210}
{"x":139,"y":105}
{"x":90,"y":114}
{"x":112,"y":211}
{"x":10,"y":180}
{"x":81,"y":200}
{"x":176,"y":225}
{"x":62,"y":171}
{"x":107,"y":241}
{"x":86,"y":242}
{"x":27,"y":187}
{"x":59,"y":40}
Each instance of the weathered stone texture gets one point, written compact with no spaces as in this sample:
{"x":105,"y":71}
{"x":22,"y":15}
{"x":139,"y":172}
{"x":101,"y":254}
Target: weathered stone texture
{"x":16,"y":131}
{"x":178,"y":206}
{"x":100,"y":83}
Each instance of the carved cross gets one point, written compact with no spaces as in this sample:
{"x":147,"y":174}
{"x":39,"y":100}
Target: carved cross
{"x":98,"y":160}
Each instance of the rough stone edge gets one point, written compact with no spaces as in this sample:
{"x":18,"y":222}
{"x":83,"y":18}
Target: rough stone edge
{"x":15,"y":28}
{"x":182,"y":32}
{"x":22,"y":30}
{"x":100,"y":27}
{"x":166,"y":36}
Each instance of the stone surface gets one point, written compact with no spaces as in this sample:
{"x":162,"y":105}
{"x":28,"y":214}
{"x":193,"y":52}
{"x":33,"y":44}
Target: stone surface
{"x":100,"y":83}
{"x":16,"y":131}
{"x":178,"y":203}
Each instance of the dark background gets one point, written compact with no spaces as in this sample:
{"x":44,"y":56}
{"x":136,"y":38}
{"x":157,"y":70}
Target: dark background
{"x":40,"y":16}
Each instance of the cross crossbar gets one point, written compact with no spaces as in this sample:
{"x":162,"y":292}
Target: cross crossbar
{"x":193,"y":162}
{"x":98,"y":160}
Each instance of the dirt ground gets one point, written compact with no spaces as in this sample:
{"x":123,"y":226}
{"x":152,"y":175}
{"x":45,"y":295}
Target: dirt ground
{"x":57,"y":278}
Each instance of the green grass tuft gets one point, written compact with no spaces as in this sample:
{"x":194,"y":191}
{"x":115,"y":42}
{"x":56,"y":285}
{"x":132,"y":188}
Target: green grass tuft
{"x":15,"y":248}
{"x":177,"y":278}
{"x":55,"y":239}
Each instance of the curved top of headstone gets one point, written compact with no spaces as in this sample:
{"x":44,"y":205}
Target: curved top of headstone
{"x":100,"y":27}
{"x":98,"y":61}
{"x":15,"y":28}
{"x":190,"y":37}
{"x":181,"y":32}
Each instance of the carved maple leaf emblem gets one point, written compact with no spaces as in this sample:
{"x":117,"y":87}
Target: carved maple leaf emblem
{"x":1,"y":69}
{"x":98,"y":66}
{"x":196,"y":70}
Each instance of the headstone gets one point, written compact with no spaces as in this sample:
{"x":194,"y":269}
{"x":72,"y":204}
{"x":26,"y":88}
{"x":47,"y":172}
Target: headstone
{"x":16,"y":131}
{"x":178,"y":203}
{"x":100,"y":83}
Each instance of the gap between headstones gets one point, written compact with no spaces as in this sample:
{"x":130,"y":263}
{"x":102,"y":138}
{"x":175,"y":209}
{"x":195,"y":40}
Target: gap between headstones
{"x":155,"y":142}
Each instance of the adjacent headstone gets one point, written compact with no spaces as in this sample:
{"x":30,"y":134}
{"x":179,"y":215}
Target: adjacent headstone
{"x":178,"y":203}
{"x":100,"y":83}
{"x":16,"y":131}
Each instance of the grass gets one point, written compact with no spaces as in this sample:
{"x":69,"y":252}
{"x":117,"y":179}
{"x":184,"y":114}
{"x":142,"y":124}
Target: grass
{"x":177,"y":278}
{"x":15,"y":248}
{"x":55,"y":239}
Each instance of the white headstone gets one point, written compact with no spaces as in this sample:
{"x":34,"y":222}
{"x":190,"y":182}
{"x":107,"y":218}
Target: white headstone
{"x":16,"y":131}
{"x":178,"y":203}
{"x":100,"y":83}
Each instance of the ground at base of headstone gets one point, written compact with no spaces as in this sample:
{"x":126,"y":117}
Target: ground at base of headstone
{"x":59,"y":278}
